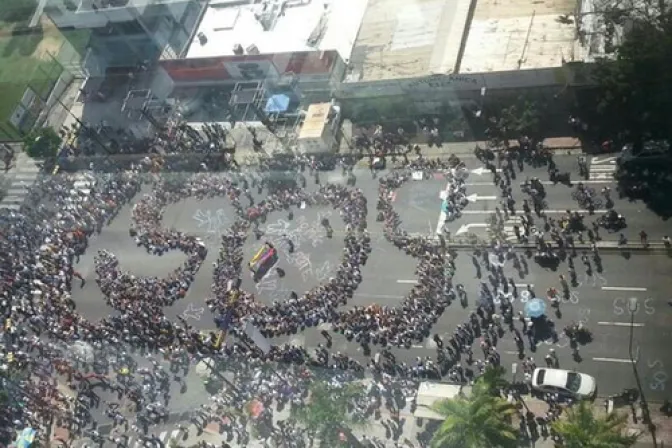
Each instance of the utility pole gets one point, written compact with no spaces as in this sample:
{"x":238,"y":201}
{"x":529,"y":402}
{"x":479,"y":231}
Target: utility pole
{"x":633,"y":306}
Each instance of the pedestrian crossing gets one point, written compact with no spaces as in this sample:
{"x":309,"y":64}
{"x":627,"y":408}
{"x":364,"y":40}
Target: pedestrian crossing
{"x":165,"y":437}
{"x":20,"y":179}
{"x":602,"y":168}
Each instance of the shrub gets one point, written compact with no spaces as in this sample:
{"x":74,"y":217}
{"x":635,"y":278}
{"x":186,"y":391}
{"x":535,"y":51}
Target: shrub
{"x":42,"y":143}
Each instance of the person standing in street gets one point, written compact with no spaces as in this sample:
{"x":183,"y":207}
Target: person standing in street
{"x":644,"y":238}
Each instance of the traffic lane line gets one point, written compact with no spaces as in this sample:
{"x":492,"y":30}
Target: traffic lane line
{"x":554,"y":212}
{"x":618,"y":360}
{"x":622,"y":288}
{"x":378,"y":296}
{"x":606,"y":180}
{"x":410,"y":282}
{"x":621,"y":324}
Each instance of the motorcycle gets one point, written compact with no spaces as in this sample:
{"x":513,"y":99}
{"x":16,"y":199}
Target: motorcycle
{"x":578,"y":332}
{"x":612,"y":221}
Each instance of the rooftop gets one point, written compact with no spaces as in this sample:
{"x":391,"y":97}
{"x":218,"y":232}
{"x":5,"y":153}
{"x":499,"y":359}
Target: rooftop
{"x":407,"y":38}
{"x":508,"y":35}
{"x":276,"y":26}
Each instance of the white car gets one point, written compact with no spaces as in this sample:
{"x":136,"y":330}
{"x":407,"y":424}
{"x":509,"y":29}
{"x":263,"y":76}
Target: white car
{"x":564,"y":382}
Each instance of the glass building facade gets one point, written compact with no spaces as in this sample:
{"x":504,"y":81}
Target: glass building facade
{"x":125,"y":33}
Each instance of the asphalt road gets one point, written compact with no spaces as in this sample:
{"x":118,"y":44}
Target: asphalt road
{"x":600,"y":300}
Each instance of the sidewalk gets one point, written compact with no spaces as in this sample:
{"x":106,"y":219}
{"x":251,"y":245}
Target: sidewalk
{"x":409,"y":430}
{"x":571,"y":144}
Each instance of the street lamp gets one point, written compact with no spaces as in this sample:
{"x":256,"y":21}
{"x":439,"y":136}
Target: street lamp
{"x":633,"y":306}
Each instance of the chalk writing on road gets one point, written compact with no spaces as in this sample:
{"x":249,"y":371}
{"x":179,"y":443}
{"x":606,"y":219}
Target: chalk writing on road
{"x":323,"y":271}
{"x":596,"y":280}
{"x":302,"y":233}
{"x":584,"y":315}
{"x":562,"y":341}
{"x":193,"y":312}
{"x":573,"y":298}
{"x":212,"y":221}
{"x":299,"y":231}
{"x":272,"y":287}
{"x":525,"y":295}
{"x":660,"y":376}
{"x":621,"y":307}
{"x":302,"y":262}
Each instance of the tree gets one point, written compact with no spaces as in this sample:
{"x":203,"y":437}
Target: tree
{"x":478,"y":421}
{"x":582,"y":429}
{"x":522,"y":118}
{"x":327,"y":415}
{"x":42,"y":143}
{"x":633,"y":98}
{"x":492,"y":381}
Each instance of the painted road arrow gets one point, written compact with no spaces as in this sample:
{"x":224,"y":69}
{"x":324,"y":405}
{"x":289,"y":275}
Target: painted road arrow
{"x":475,"y":197}
{"x":508,"y":230}
{"x":481,"y":171}
{"x":465,"y":227}
{"x":597,"y":161}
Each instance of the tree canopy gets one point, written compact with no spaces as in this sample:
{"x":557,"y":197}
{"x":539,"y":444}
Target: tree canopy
{"x":327,"y":415}
{"x":42,"y":142}
{"x":634,"y":94}
{"x":522,"y":118}
{"x":481,"y":420}
{"x":580,"y":428}
{"x":478,"y":421}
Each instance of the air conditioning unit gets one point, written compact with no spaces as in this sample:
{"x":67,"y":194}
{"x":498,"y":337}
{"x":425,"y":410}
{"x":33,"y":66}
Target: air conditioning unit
{"x":238,"y":50}
{"x":252,"y":49}
{"x":202,"y":39}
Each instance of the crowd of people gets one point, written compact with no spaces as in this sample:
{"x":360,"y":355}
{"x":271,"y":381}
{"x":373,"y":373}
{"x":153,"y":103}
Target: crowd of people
{"x":45,"y":239}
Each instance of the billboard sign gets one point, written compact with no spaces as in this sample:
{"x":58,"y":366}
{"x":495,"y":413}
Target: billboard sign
{"x":251,"y":67}
{"x":251,"y":70}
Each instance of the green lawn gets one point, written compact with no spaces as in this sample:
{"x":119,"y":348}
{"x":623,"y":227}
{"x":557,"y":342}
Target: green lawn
{"x":31,"y":59}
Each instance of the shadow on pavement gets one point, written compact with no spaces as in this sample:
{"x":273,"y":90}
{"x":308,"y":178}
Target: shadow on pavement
{"x":651,"y":184}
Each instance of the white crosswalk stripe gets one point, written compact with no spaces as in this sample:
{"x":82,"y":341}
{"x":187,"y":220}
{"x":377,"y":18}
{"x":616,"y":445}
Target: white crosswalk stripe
{"x":20,"y":179}
{"x":164,"y":436}
{"x":602,"y":169}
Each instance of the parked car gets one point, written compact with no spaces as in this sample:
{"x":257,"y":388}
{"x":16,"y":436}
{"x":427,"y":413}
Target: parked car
{"x":653,"y":152}
{"x":564,"y":382}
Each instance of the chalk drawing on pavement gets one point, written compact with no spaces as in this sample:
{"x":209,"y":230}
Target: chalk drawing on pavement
{"x":212,"y":221}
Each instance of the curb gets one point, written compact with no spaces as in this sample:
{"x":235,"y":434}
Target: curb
{"x":653,"y":248}
{"x":459,"y":152}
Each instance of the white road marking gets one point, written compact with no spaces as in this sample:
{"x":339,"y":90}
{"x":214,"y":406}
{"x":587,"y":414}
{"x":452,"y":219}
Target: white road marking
{"x":412,"y":282}
{"x":378,"y":296}
{"x":418,"y":346}
{"x":555,"y":212}
{"x":510,"y":352}
{"x":545,"y":182}
{"x":442,"y":220}
{"x":622,"y":288}
{"x":475,"y":197}
{"x":524,"y":285}
{"x":464,"y":228}
{"x":621,"y":324}
{"x":602,"y":169}
{"x":621,"y":360}
{"x":597,"y":161}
